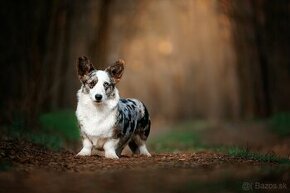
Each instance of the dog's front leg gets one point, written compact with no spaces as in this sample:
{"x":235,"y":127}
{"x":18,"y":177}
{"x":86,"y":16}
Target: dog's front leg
{"x":110,"y":149}
{"x":87,"y":147}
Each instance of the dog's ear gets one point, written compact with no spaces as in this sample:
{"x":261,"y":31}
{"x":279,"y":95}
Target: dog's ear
{"x":84,"y":67}
{"x":116,"y":70}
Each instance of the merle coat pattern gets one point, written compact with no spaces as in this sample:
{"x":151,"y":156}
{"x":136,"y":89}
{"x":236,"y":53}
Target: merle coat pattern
{"x":106,"y":121}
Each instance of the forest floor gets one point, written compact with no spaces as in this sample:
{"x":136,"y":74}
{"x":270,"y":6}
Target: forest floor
{"x":28,"y":167}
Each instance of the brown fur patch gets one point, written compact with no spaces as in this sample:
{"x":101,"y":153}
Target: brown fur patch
{"x":84,"y":67}
{"x":116,"y":70}
{"x":117,"y":133}
{"x":99,"y":144}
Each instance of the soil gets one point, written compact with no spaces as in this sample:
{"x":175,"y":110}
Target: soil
{"x":33,"y":168}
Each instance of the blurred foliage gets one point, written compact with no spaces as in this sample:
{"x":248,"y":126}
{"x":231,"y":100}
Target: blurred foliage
{"x":181,"y":137}
{"x":245,"y":153}
{"x":5,"y":165}
{"x":187,"y":136}
{"x":61,"y":123}
{"x":56,"y":129}
{"x":280,"y":124}
{"x":176,"y":141}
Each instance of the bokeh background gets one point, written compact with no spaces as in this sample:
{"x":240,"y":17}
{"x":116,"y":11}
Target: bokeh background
{"x":214,"y":61}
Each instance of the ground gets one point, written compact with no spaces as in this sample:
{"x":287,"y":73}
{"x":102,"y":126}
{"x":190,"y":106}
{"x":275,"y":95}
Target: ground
{"x":191,"y":156}
{"x":27,"y":167}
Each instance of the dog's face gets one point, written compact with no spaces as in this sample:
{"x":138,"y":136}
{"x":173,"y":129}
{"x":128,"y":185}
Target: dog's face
{"x":99,"y":84}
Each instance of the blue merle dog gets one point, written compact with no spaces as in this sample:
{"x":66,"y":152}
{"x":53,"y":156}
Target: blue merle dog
{"x":107,"y":122}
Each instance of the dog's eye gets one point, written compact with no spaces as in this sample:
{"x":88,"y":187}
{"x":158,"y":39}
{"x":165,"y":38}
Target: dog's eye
{"x":106,"y":84}
{"x":92,"y":84}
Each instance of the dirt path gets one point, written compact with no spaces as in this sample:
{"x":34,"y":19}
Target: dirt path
{"x":25,"y":156}
{"x":32,"y":168}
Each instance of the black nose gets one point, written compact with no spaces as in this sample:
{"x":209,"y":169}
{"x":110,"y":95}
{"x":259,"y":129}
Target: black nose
{"x":98,"y":97}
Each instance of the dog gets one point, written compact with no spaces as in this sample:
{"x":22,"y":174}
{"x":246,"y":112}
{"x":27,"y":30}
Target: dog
{"x":108,"y":122}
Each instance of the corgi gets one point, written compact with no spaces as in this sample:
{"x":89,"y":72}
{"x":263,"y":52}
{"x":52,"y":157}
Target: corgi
{"x":108,"y":122}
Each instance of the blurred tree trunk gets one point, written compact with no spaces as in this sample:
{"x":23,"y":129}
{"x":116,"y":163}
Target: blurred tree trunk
{"x":76,"y":29}
{"x":99,"y":45}
{"x":276,"y":37}
{"x":48,"y":36}
{"x":249,"y":58}
{"x":261,"y":35}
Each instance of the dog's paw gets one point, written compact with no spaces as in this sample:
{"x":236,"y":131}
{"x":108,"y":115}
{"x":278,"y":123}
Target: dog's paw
{"x":84,"y":152}
{"x":148,"y":154}
{"x":111,"y":155}
{"x":143,"y":151}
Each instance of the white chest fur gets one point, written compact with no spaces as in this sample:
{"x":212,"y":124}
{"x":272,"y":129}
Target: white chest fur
{"x":97,"y":120}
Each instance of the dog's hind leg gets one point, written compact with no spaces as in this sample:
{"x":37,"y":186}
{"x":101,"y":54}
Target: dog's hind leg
{"x":134,"y":147}
{"x":138,"y":146}
{"x":144,"y":151}
{"x":138,"y":141}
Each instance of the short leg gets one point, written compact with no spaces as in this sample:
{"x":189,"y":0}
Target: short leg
{"x":144,"y":151}
{"x":138,"y":142}
{"x":110,"y":149}
{"x":134,"y":147}
{"x":138,"y":146}
{"x":87,"y":148}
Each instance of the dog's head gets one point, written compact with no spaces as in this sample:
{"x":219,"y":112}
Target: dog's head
{"x":99,"y":84}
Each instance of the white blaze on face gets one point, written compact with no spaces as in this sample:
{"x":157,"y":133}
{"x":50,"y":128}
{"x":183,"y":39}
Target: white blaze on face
{"x":99,"y":89}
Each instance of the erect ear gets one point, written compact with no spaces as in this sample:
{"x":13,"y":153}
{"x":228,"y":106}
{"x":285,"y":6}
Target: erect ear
{"x":84,"y":67}
{"x":116,"y":70}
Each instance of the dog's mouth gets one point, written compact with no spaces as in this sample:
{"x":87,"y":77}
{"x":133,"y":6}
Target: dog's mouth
{"x":98,"y":101}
